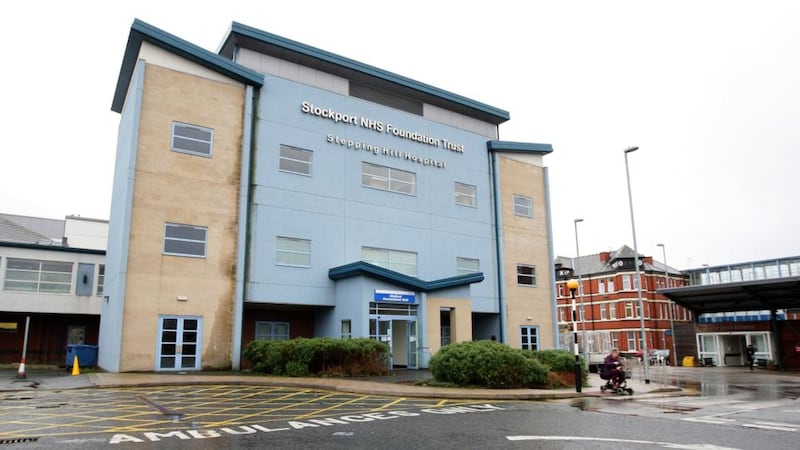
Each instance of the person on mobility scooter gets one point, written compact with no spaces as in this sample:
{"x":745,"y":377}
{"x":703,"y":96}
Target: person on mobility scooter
{"x":614,"y":372}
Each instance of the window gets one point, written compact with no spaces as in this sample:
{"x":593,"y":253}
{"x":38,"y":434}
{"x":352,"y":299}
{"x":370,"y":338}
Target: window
{"x":614,"y":339}
{"x":631,"y":340}
{"x":529,"y":338}
{"x":560,"y":290}
{"x":192,"y":139}
{"x":523,"y":206}
{"x":465,"y":194}
{"x":562,"y":314}
{"x":626,"y":282}
{"x":601,"y":287}
{"x":293,"y":252}
{"x":467,"y":265}
{"x":388,"y":179}
{"x":347,"y":329}
{"x":526,"y":275}
{"x":397,"y":260}
{"x":101,"y":279}
{"x":610,"y":286}
{"x":30,"y":275}
{"x":185,"y":240}
{"x":603,"y":311}
{"x":272,"y":331}
{"x":295,"y":160}
{"x":629,"y":310}
{"x":612,"y":310}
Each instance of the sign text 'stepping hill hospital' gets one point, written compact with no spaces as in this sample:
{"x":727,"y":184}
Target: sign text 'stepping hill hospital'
{"x":381,"y":127}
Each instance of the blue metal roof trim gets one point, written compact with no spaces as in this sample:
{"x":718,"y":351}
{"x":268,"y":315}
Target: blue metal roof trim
{"x":323,"y":55}
{"x":142,"y":31}
{"x":362,"y":268}
{"x":518,"y":147}
{"x":52,"y":248}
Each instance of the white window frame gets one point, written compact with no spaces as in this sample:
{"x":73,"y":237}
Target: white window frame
{"x":392,"y":259}
{"x":467,"y":265}
{"x":385,"y":178}
{"x":631,"y":338}
{"x":610,"y":284}
{"x":293,"y":160}
{"x":630,"y":310}
{"x":176,"y":226}
{"x":603,"y":311}
{"x":271,"y":334}
{"x":101,"y":277}
{"x":522,"y":275}
{"x":292,"y":249}
{"x":601,"y":286}
{"x":626,"y":282}
{"x":210,"y":141}
{"x":347,"y":329}
{"x":612,"y":310}
{"x":531,"y":332}
{"x":39,"y":276}
{"x":523,"y":206}
{"x":465,"y":194}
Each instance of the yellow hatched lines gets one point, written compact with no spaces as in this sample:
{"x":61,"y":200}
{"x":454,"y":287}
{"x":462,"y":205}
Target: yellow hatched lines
{"x":122,"y":410}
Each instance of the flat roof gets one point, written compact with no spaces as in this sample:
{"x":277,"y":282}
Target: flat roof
{"x":280,"y":47}
{"x":777,"y":293}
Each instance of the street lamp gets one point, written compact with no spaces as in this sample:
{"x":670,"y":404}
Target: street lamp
{"x":645,"y":355}
{"x":580,"y":292}
{"x":671,"y":314}
{"x":572,"y":285}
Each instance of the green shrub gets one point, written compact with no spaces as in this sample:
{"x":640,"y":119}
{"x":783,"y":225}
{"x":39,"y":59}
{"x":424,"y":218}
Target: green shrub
{"x":559,"y":363}
{"x":486,"y":363}
{"x":318,"y":356}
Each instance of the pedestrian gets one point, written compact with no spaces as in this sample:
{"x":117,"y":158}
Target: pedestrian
{"x":494,"y":338}
{"x":751,"y":356}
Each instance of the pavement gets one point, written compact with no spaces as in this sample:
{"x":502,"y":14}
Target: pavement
{"x":399,"y":383}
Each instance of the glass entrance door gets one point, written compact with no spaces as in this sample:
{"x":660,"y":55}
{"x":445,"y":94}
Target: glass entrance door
{"x":179,"y":343}
{"x":385,"y":336}
{"x":413,"y":351}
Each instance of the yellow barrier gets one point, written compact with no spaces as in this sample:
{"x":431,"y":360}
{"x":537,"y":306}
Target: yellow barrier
{"x":688,"y":361}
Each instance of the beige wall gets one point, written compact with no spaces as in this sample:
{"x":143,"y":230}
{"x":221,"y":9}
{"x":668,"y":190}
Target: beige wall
{"x":460,"y":321}
{"x":525,"y":242}
{"x":184,"y":189}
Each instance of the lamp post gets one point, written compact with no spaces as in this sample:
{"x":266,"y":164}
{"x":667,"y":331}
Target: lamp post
{"x":580,"y":292}
{"x":572,"y":285}
{"x":645,"y":353}
{"x":671,"y":314}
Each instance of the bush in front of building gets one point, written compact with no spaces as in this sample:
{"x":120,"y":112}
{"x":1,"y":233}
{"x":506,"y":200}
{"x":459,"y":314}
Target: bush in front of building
{"x":486,"y":363}
{"x":318,"y":357}
{"x":560,"y":365}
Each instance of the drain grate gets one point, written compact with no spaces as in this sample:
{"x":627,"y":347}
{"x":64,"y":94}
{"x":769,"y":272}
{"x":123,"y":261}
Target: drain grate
{"x":18,"y":440}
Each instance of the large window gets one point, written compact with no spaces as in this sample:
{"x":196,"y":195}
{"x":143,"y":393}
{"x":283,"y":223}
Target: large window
{"x":523,"y":206}
{"x":192,"y":139}
{"x":397,"y":260}
{"x":603,"y":311}
{"x":631,"y":337}
{"x":101,"y":279}
{"x":526,"y":275}
{"x":626,"y":282}
{"x":388,"y":179}
{"x":529,"y":338}
{"x":295,"y":160}
{"x":293,"y":252}
{"x":630,"y":310}
{"x":272,"y":331}
{"x":30,"y":275}
{"x":467,"y":265}
{"x":347,"y":329}
{"x":465,"y":194}
{"x":185,"y":240}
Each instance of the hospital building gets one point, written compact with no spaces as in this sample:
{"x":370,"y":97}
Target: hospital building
{"x":274,"y":190}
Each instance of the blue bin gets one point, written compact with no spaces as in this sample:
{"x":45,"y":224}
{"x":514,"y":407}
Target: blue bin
{"x":87,"y":355}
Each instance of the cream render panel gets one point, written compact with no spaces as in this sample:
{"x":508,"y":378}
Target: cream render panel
{"x":525,"y":241}
{"x":160,"y":57}
{"x":184,"y":189}
{"x":292,"y":71}
{"x":460,"y":321}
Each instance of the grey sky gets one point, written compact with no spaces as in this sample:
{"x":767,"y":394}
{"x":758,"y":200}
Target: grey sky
{"x":709,"y":91}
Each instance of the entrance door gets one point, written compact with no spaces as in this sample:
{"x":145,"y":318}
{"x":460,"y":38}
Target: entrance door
{"x":385,"y":336}
{"x":412,"y":344}
{"x":179,"y":343}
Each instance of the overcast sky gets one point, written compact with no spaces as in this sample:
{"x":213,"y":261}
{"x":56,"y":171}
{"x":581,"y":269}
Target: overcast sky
{"x":709,"y":91}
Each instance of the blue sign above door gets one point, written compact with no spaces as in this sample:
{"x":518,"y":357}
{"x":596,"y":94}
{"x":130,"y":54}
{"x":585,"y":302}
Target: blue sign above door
{"x":395,"y":296}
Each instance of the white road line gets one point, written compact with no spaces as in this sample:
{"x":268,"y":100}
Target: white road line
{"x":768,"y":427}
{"x":712,"y":419}
{"x":626,"y":441}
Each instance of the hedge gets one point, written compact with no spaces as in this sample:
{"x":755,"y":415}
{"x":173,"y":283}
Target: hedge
{"x":319,"y":357}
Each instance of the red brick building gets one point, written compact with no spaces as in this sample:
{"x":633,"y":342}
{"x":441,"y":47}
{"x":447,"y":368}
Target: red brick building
{"x":609,"y":298}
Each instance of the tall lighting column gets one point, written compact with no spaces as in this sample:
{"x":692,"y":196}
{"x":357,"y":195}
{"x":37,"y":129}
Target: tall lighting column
{"x":572,"y":285}
{"x":645,"y":353}
{"x":580,"y":293}
{"x":671,"y":320}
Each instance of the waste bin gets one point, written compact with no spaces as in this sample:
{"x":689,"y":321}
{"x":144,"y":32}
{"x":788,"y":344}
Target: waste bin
{"x":87,"y":355}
